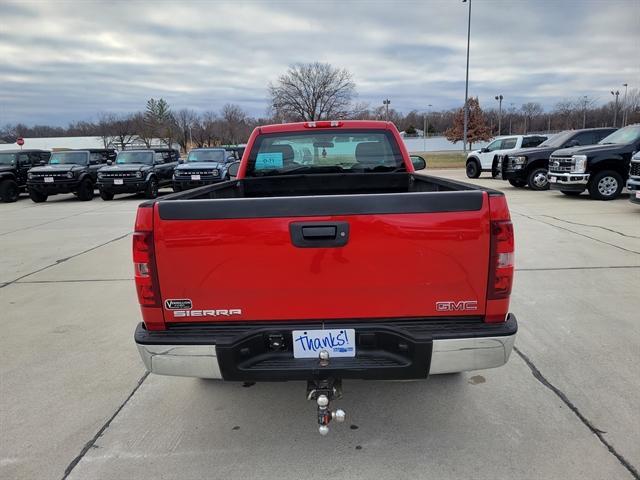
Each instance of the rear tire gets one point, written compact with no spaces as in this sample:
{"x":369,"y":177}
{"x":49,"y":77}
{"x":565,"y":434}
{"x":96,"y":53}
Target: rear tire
{"x":38,"y":197}
{"x":517,"y":183}
{"x":538,"y":180}
{"x":152,"y":188}
{"x":9,"y":191}
{"x":106,"y":195}
{"x":605,"y":185}
{"x":570,"y":193}
{"x":85,"y":190}
{"x":494,"y":167}
{"x":473,"y":169}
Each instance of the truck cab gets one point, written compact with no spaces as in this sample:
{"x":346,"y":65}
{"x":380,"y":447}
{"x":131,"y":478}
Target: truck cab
{"x":486,"y":158}
{"x":601,"y":169}
{"x":138,"y":171}
{"x":68,"y":171}
{"x":203,"y":166}
{"x":530,"y":166}
{"x":14,"y":168}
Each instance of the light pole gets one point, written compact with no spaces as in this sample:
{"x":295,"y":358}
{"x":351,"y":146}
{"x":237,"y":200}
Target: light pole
{"x":386,"y":105}
{"x":426,"y":128}
{"x":466,"y":83}
{"x":499,"y":98}
{"x":624,"y":105}
{"x":584,"y":112}
{"x":615,"y":110}
{"x":510,"y":116}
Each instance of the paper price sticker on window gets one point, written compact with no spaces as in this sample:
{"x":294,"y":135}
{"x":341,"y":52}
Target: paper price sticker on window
{"x":269,"y":161}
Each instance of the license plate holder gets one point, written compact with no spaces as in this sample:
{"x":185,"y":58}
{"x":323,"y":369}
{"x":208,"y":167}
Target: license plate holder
{"x":638,"y":194}
{"x":48,"y":179}
{"x":339,"y":342}
{"x":118,"y":181}
{"x":195,"y":177}
{"x":553,"y":179}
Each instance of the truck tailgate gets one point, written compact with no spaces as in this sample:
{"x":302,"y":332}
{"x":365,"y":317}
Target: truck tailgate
{"x":224,"y":260}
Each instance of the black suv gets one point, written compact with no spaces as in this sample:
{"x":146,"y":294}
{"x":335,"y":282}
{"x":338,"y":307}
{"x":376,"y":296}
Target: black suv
{"x":203,"y":167}
{"x":530,"y":166}
{"x":14,"y":165}
{"x":68,"y":171}
{"x":602,"y":169}
{"x":138,"y":171}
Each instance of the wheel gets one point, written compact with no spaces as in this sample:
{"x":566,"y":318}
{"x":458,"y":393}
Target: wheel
{"x":106,"y":195}
{"x":9,"y":191}
{"x":85,"y":190}
{"x":494,"y":167}
{"x":152,"y":188}
{"x":570,"y":193}
{"x":537,"y":179}
{"x":37,"y":196}
{"x":605,"y":185}
{"x":473,"y":169}
{"x":517,"y":183}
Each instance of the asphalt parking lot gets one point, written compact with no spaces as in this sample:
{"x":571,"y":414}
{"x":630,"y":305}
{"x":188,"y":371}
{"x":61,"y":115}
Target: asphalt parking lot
{"x":76,"y":401}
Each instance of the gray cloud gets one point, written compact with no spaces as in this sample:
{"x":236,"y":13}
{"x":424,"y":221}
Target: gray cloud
{"x":63,"y":61}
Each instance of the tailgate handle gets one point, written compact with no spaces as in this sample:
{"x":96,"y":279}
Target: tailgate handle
{"x":319,"y":234}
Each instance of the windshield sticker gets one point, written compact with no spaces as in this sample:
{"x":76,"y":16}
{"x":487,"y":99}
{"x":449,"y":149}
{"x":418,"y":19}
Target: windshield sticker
{"x":268,"y":161}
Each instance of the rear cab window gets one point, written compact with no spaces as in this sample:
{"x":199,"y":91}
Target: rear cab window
{"x":530,"y":142}
{"x":509,"y":143}
{"x":328,"y":151}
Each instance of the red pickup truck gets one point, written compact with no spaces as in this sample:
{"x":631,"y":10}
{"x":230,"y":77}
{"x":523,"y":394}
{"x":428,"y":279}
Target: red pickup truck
{"x":326,"y":257}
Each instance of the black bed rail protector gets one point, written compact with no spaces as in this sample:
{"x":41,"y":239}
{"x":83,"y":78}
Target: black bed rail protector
{"x":308,"y":206}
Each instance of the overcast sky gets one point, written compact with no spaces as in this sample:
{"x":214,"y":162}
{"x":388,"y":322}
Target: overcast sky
{"x":62,"y":61}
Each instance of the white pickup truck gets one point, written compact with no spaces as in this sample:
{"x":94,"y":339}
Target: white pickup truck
{"x":486,"y":159}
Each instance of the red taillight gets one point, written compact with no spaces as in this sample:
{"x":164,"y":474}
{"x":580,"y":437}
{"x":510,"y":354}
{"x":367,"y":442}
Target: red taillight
{"x":145,"y":274}
{"x":502,"y":260}
{"x":323,"y":124}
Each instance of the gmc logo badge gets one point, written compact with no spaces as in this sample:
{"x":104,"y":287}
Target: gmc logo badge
{"x":460,"y":306}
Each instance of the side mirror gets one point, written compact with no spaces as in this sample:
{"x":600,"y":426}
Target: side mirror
{"x":181,"y":160}
{"x":418,"y":162}
{"x":484,"y":150}
{"x":109,"y":162}
{"x":572,"y":143}
{"x":233,"y":170}
{"x":231,"y":158}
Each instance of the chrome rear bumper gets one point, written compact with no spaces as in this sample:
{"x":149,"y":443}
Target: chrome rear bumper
{"x":448,"y":356}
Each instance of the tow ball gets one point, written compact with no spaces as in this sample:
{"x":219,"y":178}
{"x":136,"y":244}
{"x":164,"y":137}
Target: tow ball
{"x":323,"y":392}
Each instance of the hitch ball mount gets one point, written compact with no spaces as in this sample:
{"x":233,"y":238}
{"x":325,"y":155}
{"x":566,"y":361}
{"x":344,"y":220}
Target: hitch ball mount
{"x":323,"y":392}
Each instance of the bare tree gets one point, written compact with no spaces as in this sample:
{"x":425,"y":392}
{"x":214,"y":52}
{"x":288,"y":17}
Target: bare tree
{"x":530,"y":111}
{"x":185,"y":121}
{"x":565,"y":108}
{"x":143,"y":129}
{"x":312,"y":91}
{"x":234,"y":122}
{"x":106,"y":128}
{"x":583,"y":104}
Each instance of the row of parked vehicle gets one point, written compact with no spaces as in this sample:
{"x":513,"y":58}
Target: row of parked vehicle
{"x":598,"y":160}
{"x":43,"y":173}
